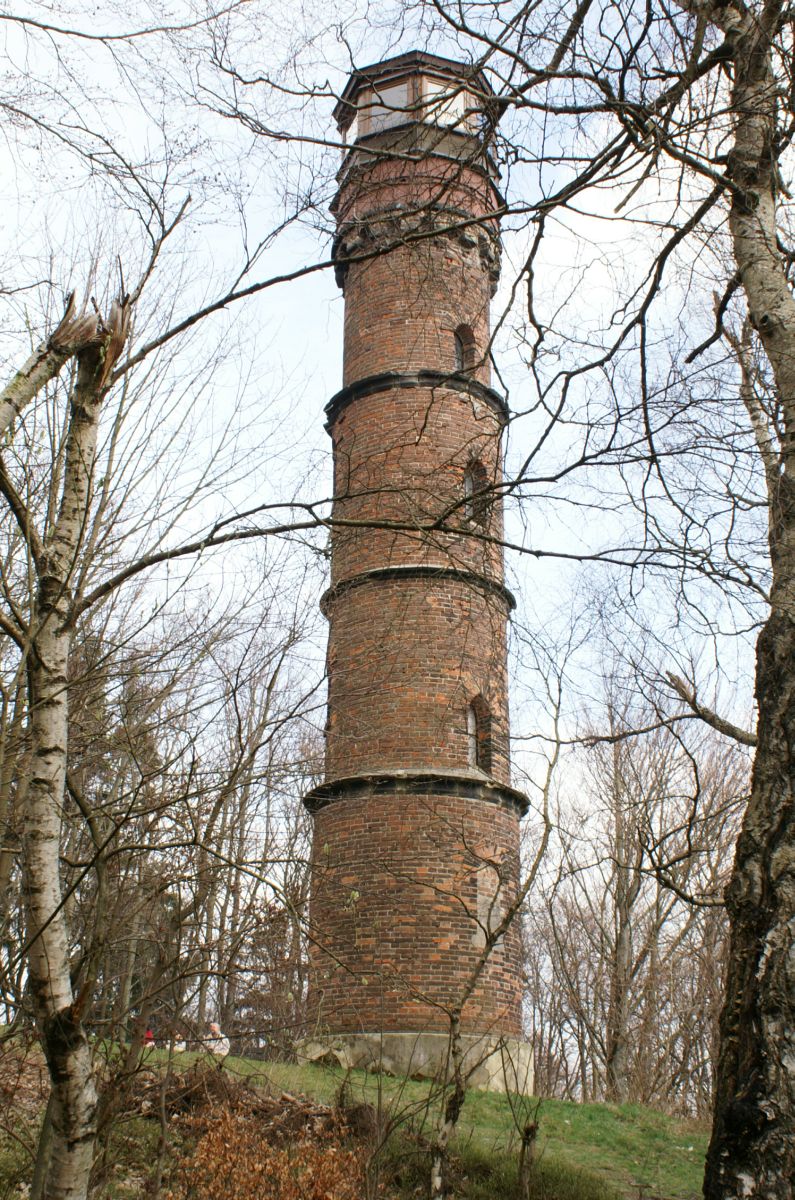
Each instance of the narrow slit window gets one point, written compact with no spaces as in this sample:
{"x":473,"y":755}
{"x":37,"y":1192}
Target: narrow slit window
{"x":469,"y":491}
{"x":476,"y":493}
{"x":464,"y":348}
{"x":472,"y":736}
{"x":479,"y":734}
{"x":459,"y":351}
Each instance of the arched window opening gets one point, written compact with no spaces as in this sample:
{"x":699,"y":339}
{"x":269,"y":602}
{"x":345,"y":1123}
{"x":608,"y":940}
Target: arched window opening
{"x":479,"y":734}
{"x":476,"y":493}
{"x":459,"y":351}
{"x":464,"y":348}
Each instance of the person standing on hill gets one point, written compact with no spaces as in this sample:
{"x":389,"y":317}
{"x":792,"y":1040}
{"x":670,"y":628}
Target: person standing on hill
{"x":217,"y":1043}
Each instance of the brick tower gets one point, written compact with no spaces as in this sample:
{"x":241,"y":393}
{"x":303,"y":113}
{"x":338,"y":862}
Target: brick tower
{"x":416,"y":827}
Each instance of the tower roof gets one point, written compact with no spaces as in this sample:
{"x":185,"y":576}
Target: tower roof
{"x":411,"y":63}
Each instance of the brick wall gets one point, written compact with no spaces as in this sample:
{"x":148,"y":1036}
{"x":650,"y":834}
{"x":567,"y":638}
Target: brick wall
{"x":400,"y":455}
{"x":406,"y":657}
{"x":409,"y":304}
{"x":398,"y":882}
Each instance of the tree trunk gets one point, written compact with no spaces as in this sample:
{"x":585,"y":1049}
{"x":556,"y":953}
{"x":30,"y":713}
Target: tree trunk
{"x":526,"y":1159}
{"x":627,"y":855}
{"x":617,"y":1045}
{"x":121,"y":1018}
{"x":57,"y":559}
{"x":14,"y":775}
{"x":627,"y":889}
{"x":64,"y":1041}
{"x":43,"y":1149}
{"x":452,"y":1109}
{"x":752,"y":1151}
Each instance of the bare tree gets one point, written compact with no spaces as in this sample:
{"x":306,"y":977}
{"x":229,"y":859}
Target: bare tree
{"x":625,"y":938}
{"x":117,"y":752}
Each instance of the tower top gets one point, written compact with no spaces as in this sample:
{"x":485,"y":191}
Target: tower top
{"x":414,"y":89}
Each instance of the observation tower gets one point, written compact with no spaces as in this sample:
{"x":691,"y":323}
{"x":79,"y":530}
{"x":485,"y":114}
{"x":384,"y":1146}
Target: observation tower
{"x":416,"y":827}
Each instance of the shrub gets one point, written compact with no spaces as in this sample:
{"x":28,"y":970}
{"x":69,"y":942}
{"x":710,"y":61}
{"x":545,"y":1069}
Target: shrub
{"x":231,"y":1160}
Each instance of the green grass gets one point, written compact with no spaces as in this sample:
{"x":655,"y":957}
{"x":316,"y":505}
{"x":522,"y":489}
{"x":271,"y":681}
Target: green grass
{"x":631,"y":1149}
{"x":15,"y":1162}
{"x":583,"y":1151}
{"x":476,"y":1174}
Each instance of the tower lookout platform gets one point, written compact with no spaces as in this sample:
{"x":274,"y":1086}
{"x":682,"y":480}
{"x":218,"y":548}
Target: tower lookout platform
{"x":416,"y":827}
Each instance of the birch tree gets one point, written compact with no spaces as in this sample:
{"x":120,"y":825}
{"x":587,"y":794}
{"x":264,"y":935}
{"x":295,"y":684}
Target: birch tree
{"x":107,"y":795}
{"x":46,"y":643}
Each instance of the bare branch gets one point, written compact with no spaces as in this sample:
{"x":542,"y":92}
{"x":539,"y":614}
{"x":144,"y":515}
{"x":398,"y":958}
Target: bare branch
{"x":728,"y":728}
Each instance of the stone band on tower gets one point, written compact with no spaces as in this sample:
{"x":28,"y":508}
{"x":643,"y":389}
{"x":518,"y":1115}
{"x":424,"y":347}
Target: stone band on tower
{"x":416,"y":828}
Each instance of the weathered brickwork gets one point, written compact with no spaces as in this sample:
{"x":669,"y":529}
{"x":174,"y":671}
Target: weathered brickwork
{"x":406,"y":657}
{"x":411,"y":301}
{"x":416,"y":830}
{"x":400,"y":457}
{"x":402,"y":886}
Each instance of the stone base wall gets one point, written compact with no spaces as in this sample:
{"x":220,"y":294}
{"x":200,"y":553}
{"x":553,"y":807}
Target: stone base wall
{"x":492,"y":1064}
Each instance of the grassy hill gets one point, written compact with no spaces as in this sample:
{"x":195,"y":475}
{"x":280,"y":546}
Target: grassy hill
{"x":627,"y":1149}
{"x":582,"y":1152}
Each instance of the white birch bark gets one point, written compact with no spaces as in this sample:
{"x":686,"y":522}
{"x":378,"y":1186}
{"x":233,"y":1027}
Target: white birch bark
{"x":58,"y":1011}
{"x":75,"y":332}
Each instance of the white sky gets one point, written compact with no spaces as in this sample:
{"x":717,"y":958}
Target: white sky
{"x":58,"y":221}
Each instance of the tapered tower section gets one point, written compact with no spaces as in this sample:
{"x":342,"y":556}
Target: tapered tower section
{"x":416,"y":828}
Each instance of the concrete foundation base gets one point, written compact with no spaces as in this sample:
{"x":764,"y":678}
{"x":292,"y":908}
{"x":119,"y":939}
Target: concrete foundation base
{"x":492,"y":1064}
